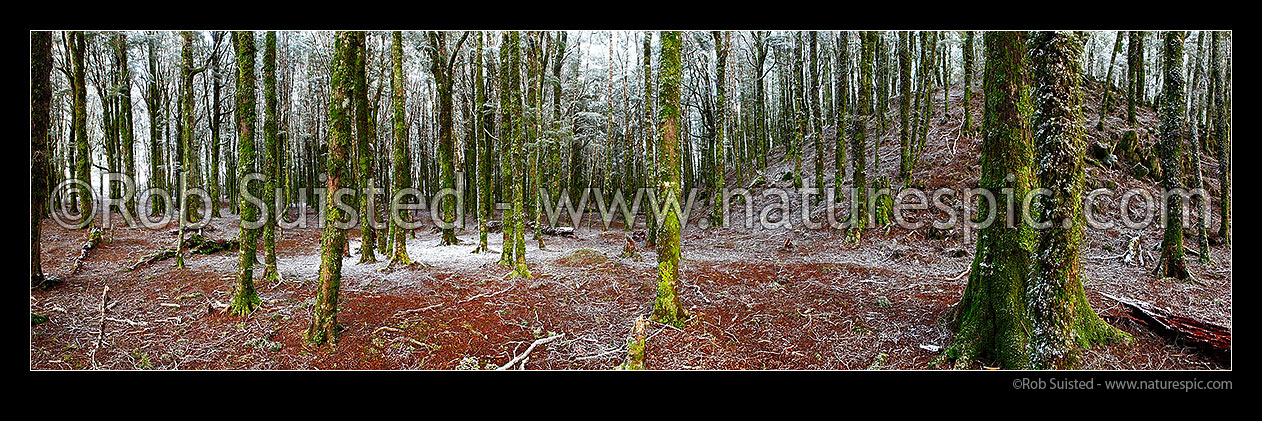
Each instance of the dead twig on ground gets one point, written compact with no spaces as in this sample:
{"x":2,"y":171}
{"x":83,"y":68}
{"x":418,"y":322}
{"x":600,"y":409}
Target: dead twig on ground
{"x":105,"y":297}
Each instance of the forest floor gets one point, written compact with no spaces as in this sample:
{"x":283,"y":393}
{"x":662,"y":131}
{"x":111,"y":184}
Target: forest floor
{"x":825,"y":303}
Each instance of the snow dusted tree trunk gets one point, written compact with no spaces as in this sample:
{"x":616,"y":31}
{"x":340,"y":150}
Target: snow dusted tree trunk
{"x":1171,"y":262}
{"x":1061,"y":320}
{"x":324,"y":325}
{"x":842,"y":88}
{"x":1108,"y":81}
{"x":244,"y":299}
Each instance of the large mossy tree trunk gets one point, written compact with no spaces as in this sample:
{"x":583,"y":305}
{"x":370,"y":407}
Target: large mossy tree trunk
{"x":1061,"y":319}
{"x":667,"y":308}
{"x":402,"y":176}
{"x":41,"y":104}
{"x":990,"y":320}
{"x":324,"y":327}
{"x":244,"y":299}
{"x":1171,"y":262}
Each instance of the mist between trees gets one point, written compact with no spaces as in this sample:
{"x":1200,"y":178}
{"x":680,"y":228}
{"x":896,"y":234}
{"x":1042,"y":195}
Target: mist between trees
{"x":978,"y":205}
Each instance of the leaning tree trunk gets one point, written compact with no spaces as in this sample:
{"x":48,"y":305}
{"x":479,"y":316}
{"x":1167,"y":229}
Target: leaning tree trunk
{"x":245,"y":300}
{"x":324,"y":325}
{"x":1060,"y":317}
{"x":667,"y":308}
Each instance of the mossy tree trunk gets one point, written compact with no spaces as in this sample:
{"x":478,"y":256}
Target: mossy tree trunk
{"x":1134,"y":73}
{"x":245,"y":300}
{"x":969,"y":50}
{"x":153,"y":104}
{"x":126,"y":134}
{"x":798,"y":111}
{"x":366,"y":135}
{"x":516,"y":248}
{"x":441,"y":67}
{"x":1171,"y":262}
{"x":82,"y":157}
{"x":859,"y":143}
{"x":1221,"y":134}
{"x":990,"y":320}
{"x":813,"y":104}
{"x":842,"y":98}
{"x":402,"y":177}
{"x":480,"y":138}
{"x":650,"y":150}
{"x":41,"y":104}
{"x":324,"y":327}
{"x":667,"y":308}
{"x":1061,"y":319}
{"x":213,"y":113}
{"x":271,"y":157}
{"x":190,"y":162}
{"x":508,"y":73}
{"x":904,"y":104}
{"x":1108,"y":81}
{"x":720,"y":117}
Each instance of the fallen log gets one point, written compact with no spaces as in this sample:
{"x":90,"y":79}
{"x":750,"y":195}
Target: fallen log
{"x":196,"y":244}
{"x":1211,"y":338}
{"x":94,"y":239}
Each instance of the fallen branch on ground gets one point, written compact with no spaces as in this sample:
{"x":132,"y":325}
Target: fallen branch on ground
{"x":528,"y":349}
